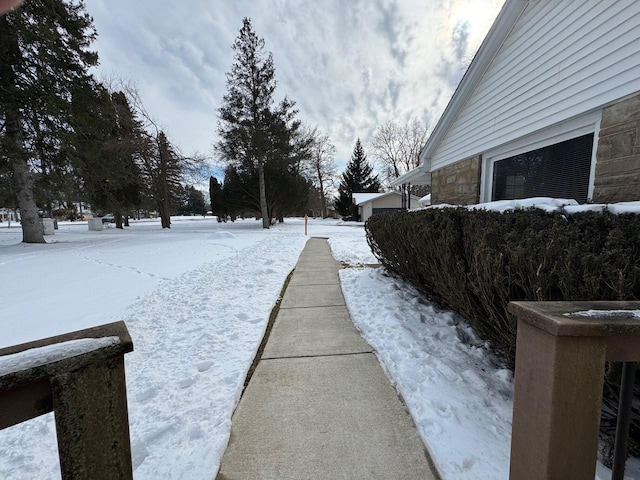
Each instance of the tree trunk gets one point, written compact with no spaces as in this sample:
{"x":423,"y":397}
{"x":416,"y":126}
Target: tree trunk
{"x":165,"y":213}
{"x":266,"y":221}
{"x":165,"y":204}
{"x":324,"y":213}
{"x":32,"y":230}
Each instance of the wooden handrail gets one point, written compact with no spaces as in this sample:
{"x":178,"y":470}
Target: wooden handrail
{"x":80,"y":376}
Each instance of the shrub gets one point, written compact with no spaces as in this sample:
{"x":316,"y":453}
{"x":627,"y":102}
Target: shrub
{"x":476,"y":261}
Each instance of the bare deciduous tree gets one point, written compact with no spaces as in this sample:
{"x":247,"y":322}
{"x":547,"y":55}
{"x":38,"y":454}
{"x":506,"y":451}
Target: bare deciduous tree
{"x":398,"y":147}
{"x":322,"y":167}
{"x":162,"y":165}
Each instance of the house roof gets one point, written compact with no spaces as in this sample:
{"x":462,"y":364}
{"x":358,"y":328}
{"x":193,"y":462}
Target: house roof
{"x":417,"y":176}
{"x":499,"y":31}
{"x":360,"y":198}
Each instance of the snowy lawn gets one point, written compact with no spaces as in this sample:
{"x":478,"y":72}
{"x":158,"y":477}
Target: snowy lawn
{"x":196,"y":300}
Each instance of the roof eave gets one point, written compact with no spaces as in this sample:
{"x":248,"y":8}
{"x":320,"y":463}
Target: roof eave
{"x":502,"y":26}
{"x":417,"y":176}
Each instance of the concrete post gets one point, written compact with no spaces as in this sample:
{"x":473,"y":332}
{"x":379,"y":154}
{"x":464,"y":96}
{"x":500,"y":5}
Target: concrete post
{"x":48,"y":226}
{"x":95,"y":224}
{"x":560,"y":358}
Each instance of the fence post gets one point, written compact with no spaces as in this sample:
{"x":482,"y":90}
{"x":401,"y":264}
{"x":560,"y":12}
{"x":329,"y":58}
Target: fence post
{"x":92,"y":423}
{"x":87,"y":393}
{"x":560,"y":358}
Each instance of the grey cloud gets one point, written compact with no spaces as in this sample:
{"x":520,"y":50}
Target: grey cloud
{"x":349,"y":65}
{"x":459,"y":37}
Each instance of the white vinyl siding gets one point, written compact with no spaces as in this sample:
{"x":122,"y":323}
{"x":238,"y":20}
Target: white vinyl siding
{"x":561,"y":60}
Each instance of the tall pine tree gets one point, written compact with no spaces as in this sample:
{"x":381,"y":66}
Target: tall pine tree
{"x":256,"y":138}
{"x":246,"y":108}
{"x":43,"y":55}
{"x":357,"y":178}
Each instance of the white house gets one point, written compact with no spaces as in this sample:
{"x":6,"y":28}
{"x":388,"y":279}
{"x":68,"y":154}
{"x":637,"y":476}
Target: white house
{"x":372,"y":203}
{"x":550,"y":106}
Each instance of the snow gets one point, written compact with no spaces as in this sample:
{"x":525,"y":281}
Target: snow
{"x":564,"y":205}
{"x":459,"y":395}
{"x":196,"y":300}
{"x":605,"y":313}
{"x":544,"y":203}
{"x":36,"y":357}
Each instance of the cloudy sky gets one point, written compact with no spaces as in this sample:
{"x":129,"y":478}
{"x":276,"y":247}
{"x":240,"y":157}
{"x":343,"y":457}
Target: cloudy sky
{"x":350,"y":65}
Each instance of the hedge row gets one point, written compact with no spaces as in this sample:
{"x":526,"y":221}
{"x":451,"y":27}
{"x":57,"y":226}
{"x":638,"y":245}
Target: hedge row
{"x":476,"y":261}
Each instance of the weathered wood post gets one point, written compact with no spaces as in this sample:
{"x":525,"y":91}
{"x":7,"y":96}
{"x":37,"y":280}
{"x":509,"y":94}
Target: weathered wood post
{"x":560,"y":359}
{"x":80,"y":377}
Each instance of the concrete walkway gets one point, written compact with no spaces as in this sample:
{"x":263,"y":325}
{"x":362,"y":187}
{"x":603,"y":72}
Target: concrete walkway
{"x":319,"y":405}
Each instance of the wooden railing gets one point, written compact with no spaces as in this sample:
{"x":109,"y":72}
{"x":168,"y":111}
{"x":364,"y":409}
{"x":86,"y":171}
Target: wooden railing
{"x":80,"y":377}
{"x":561,"y":352}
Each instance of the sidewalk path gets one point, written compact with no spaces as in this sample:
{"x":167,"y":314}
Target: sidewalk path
{"x":318,"y":405}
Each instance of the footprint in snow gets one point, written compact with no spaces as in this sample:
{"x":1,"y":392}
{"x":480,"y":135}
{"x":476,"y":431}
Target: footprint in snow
{"x":204,"y":366}
{"x":147,"y":394}
{"x":187,"y":382}
{"x":467,"y":464}
{"x":443,"y":409}
{"x":431,"y":428}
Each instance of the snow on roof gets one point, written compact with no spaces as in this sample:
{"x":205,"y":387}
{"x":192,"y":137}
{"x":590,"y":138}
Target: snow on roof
{"x":360,"y":198}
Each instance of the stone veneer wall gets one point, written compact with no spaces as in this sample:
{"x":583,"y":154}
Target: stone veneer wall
{"x":617,"y":176}
{"x":457,"y":184}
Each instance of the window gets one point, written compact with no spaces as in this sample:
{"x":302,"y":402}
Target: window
{"x":560,"y":170}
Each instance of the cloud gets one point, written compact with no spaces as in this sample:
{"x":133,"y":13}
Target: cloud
{"x":349,"y":66}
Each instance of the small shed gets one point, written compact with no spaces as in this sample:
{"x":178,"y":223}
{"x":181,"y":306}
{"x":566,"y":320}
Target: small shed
{"x":372,"y":203}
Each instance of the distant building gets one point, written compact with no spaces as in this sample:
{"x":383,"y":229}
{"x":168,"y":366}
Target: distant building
{"x":550,"y":106}
{"x":9,"y":216}
{"x":372,"y":203}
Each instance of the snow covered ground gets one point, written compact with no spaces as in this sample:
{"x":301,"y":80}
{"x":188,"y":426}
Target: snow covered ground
{"x":196,"y":300}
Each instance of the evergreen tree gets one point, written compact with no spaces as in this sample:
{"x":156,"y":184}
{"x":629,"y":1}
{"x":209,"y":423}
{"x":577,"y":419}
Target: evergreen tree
{"x":105,"y":149}
{"x":246,"y":106}
{"x":357,"y":178}
{"x":256,"y":139}
{"x":217,"y":201}
{"x":43,"y":56}
{"x":192,"y":202}
{"x":288,"y":190}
